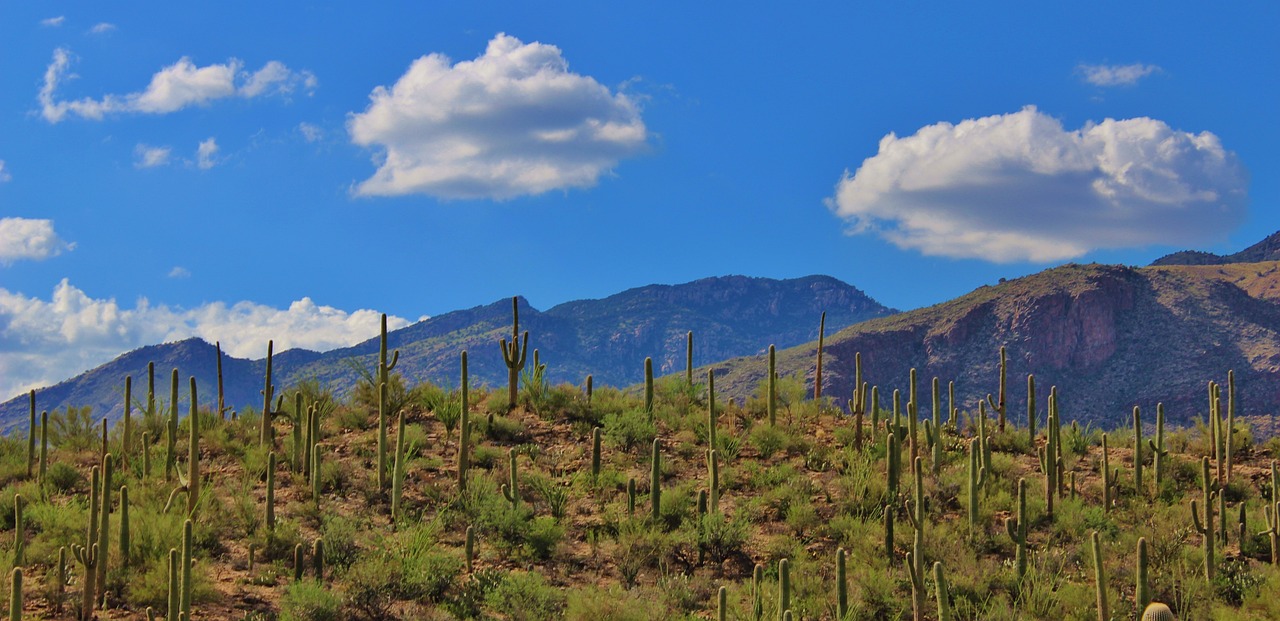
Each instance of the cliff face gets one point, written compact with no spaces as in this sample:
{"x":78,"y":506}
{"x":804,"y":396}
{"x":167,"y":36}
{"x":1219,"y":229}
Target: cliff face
{"x":1109,"y":337}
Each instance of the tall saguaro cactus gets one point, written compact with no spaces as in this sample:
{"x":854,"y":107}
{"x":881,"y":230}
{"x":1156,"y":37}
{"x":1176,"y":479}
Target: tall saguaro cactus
{"x":514,"y":354}
{"x":1205,"y":528}
{"x":999,"y":405}
{"x":773,"y":388}
{"x":1158,"y":452}
{"x":817,"y":374}
{"x":464,"y":436}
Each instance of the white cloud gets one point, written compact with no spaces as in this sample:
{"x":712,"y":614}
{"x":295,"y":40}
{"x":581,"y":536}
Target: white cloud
{"x":102,"y":28}
{"x":42,"y":342}
{"x":29,"y":239}
{"x":207,"y":154}
{"x":310,"y":133}
{"x":147,"y":156}
{"x":1116,"y":75}
{"x":179,"y":272}
{"x":173,"y":88}
{"x":53,"y":22}
{"x":1018,"y":187}
{"x":514,"y":121}
{"x":4,"y":174}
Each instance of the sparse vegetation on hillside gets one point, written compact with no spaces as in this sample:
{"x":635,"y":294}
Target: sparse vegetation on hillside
{"x":447,"y":503}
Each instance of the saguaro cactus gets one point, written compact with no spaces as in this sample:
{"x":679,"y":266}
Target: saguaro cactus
{"x":842,"y":586}
{"x":265,"y":437}
{"x":1142,"y":591}
{"x":1031,"y":409}
{"x":944,"y":599}
{"x":511,"y":489}
{"x":688,"y":359}
{"x":655,"y":481}
{"x":1158,"y":452}
{"x":648,"y":386}
{"x":1137,"y":453}
{"x":784,"y":587}
{"x":270,"y":521}
{"x":1017,"y":529}
{"x":1100,"y":578}
{"x":773,"y":388}
{"x":977,"y":479}
{"x":1205,"y":528}
{"x":464,"y":436}
{"x":397,"y":476}
{"x":999,"y":406}
{"x":514,"y":354}
{"x":817,"y":373}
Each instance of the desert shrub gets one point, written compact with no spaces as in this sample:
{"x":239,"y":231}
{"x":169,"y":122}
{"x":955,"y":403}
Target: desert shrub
{"x":722,"y":537}
{"x":766,"y":440}
{"x":64,"y":478}
{"x":526,"y":596}
{"x":339,"y":533}
{"x":630,"y":429}
{"x":308,"y":600}
{"x":591,"y":603}
{"x":543,"y":537}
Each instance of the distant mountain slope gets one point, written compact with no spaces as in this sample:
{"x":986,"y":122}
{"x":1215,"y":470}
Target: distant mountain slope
{"x":1109,"y":337}
{"x":609,"y":338}
{"x":1265,"y":250}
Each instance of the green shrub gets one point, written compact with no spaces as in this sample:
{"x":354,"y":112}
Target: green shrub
{"x":767,"y":440}
{"x":308,"y":600}
{"x":629,"y":430}
{"x":526,"y":596}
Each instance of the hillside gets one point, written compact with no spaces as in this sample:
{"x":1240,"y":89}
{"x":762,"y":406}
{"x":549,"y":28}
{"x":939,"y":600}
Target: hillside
{"x":1110,"y":337}
{"x":609,"y":338}
{"x":1265,"y":250}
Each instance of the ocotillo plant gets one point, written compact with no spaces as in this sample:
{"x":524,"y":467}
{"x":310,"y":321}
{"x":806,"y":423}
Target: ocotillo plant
{"x":1017,"y":530}
{"x":464,"y":436}
{"x":999,"y":406}
{"x":773,"y":388}
{"x":511,"y":489}
{"x":1205,"y":528}
{"x":514,"y":354}
{"x":817,"y":373}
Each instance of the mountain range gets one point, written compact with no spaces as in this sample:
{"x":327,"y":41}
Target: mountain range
{"x":608,"y":338}
{"x":1109,"y":337}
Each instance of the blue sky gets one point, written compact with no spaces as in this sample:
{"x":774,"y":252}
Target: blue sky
{"x":241,"y":171}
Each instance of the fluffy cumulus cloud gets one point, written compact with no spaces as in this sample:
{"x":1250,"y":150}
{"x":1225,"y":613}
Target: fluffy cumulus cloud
{"x":46,"y":341}
{"x":207,"y":154}
{"x":29,"y":239}
{"x":148,"y":156}
{"x":1115,"y":75}
{"x":1020,"y":187}
{"x":514,"y":121}
{"x":180,"y":85}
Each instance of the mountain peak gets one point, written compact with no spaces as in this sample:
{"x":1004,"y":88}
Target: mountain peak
{"x":1266,"y":250}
